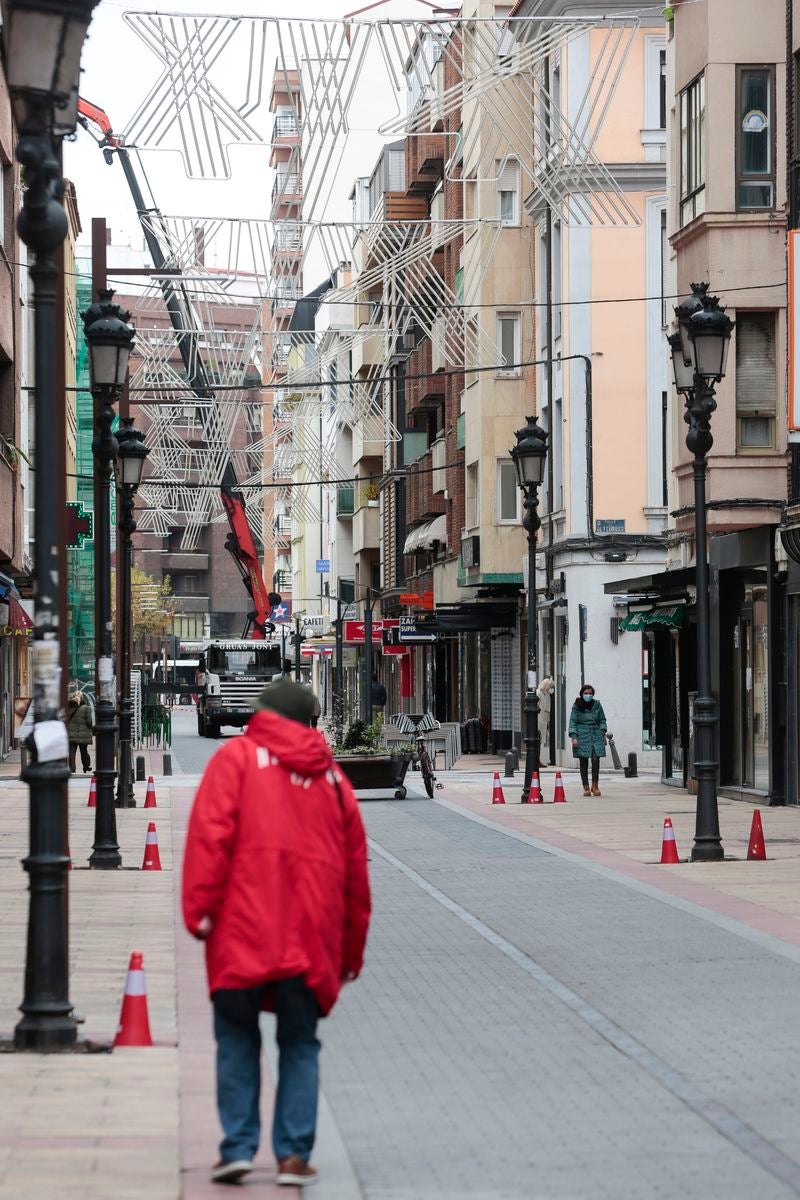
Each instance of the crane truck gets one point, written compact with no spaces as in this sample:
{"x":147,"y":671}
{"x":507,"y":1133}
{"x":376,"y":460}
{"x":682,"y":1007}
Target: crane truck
{"x":231,"y":672}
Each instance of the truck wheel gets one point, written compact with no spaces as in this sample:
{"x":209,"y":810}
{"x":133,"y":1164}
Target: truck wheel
{"x":213,"y":729}
{"x":201,"y":726}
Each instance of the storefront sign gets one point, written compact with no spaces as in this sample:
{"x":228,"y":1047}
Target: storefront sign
{"x":410,"y":598}
{"x":428,"y":601}
{"x":411,"y":631}
{"x":354,"y":630}
{"x":79,"y":524}
{"x":669,"y":616}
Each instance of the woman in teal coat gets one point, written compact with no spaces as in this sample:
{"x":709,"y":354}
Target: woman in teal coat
{"x":587,"y":728}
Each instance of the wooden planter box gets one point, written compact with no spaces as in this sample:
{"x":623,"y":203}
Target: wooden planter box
{"x":376,"y":772}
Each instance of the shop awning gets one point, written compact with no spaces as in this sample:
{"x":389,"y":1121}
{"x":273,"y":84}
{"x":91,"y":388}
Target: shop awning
{"x":423,"y":537}
{"x":653,"y":618}
{"x":18,"y":620}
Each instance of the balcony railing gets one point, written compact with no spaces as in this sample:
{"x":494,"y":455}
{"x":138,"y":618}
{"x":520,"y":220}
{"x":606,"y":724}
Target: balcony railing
{"x":286,"y":187}
{"x":345,"y":502}
{"x":290,"y":238}
{"x":286,"y":126}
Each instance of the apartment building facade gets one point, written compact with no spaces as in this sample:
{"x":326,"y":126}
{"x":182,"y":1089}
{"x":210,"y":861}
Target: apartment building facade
{"x":726,"y":224}
{"x":601,"y":375}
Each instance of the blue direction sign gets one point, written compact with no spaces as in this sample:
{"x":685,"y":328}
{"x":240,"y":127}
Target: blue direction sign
{"x":323,"y":566}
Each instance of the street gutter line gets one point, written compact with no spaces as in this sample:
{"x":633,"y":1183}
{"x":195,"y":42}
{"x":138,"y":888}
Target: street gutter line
{"x":726,"y":1123}
{"x":766,"y":941}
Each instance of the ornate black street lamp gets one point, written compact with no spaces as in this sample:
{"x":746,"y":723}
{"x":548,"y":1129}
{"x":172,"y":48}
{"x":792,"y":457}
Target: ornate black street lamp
{"x":699,"y":356}
{"x":529,"y":456}
{"x":130,"y":465}
{"x":41,"y":44}
{"x":110,"y":339}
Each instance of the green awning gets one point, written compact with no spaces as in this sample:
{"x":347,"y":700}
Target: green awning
{"x":655,"y":617}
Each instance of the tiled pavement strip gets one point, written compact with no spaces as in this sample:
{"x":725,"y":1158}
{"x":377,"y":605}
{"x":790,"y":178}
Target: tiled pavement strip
{"x":447,"y":1061}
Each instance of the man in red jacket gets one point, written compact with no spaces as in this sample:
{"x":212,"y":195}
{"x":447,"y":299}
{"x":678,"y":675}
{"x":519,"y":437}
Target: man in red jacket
{"x":275,"y":881}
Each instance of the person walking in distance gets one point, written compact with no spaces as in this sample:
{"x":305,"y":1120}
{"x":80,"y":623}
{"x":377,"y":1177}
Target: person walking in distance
{"x":545,"y":693}
{"x":378,"y":693}
{"x":275,"y":882}
{"x":587,"y":728}
{"x":80,"y":731}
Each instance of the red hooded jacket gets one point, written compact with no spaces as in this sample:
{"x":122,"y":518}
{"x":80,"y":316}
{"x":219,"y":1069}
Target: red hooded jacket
{"x":276,"y":858}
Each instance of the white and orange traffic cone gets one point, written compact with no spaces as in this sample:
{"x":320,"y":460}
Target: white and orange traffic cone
{"x":756,"y":850}
{"x":134,"y":1024}
{"x":150,"y":798}
{"x":536,"y":790}
{"x":152,"y":859}
{"x":497,"y":790}
{"x":559,"y":795}
{"x":93,"y":793}
{"x":669,"y":847}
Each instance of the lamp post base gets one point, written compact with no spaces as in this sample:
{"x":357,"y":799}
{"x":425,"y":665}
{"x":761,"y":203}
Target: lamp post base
{"x":105,"y":858}
{"x":46,"y":1033}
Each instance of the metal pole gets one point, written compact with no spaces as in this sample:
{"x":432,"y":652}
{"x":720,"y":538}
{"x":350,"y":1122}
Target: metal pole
{"x":531,"y":523}
{"x":126,"y":526}
{"x":47,"y":1022}
{"x":339,"y":684}
{"x":367,"y":704}
{"x":707,"y":842}
{"x":297,"y":649}
{"x":105,"y":853}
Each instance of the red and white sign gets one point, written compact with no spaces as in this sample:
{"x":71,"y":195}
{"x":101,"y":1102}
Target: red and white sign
{"x":395,"y":649}
{"x":354,"y":630}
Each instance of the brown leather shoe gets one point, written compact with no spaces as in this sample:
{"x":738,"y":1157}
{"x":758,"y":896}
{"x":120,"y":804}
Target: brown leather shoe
{"x":596,"y":790}
{"x":293,"y":1172}
{"x":586,"y":792}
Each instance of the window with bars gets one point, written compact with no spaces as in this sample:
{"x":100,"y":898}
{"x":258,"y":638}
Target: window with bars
{"x":693,"y":150}
{"x":756,"y":380}
{"x":755,"y":157}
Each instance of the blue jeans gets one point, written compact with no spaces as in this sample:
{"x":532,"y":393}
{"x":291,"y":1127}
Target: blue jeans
{"x":236,"y":1013}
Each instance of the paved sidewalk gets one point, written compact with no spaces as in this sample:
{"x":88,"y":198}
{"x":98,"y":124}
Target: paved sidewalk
{"x":92,"y":1125}
{"x":622,"y":830}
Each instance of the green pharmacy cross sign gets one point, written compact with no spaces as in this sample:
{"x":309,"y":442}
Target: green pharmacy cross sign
{"x":80,"y":527}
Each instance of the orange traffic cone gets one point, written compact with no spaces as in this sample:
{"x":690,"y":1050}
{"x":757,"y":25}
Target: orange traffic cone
{"x":559,"y":796}
{"x":150,"y":798}
{"x":134,"y":1025}
{"x":93,"y":793}
{"x":536,"y":790}
{"x":669,"y":847}
{"x":756,"y":850}
{"x":152,"y":859}
{"x":497,"y":791}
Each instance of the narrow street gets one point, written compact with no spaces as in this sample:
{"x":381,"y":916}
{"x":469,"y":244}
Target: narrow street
{"x":530,"y":1024}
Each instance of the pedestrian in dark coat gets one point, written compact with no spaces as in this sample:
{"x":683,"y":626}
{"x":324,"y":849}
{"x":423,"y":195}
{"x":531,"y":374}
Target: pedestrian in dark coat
{"x":275,"y":882}
{"x":378,"y":693}
{"x":587,"y":728}
{"x":80,"y":731}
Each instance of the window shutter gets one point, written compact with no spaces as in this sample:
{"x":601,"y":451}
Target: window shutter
{"x":508,"y":178}
{"x":396,"y":175}
{"x":756,"y":375}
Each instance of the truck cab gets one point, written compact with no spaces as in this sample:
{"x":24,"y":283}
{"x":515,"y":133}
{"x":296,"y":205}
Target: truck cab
{"x":230,"y":676}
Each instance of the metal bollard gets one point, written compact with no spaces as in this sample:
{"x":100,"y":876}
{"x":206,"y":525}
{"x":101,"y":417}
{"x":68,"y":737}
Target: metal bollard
{"x":140,"y":775}
{"x":510,"y":765}
{"x":167,"y":767}
{"x":632,"y":769}
{"x":515,"y":752}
